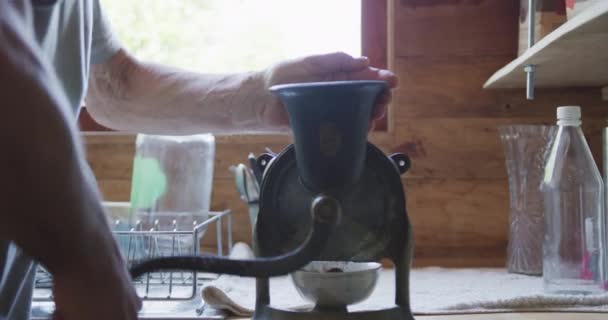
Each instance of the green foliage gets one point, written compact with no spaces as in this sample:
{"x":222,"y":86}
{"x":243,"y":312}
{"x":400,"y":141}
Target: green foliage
{"x":231,"y":35}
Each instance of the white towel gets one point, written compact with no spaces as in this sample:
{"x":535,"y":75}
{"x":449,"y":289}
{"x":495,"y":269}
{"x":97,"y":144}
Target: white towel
{"x":433,"y":291}
{"x":214,"y":294}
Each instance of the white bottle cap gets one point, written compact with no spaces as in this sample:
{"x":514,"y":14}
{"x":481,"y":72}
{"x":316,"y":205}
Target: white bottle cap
{"x":569,"y":116}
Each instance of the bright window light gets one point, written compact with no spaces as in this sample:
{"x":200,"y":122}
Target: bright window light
{"x":234,"y":35}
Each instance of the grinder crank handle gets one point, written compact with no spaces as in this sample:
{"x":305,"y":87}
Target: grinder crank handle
{"x":326,"y":213}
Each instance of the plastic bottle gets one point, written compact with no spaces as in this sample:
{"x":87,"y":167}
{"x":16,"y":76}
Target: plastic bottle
{"x":573,"y":256}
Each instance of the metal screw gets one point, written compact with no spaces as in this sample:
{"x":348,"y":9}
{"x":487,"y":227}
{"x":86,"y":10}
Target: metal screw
{"x":529,"y":69}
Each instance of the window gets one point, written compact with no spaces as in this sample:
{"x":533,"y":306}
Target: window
{"x":242,"y":35}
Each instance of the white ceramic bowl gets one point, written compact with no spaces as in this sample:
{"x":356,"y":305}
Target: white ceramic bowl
{"x":336,"y":284}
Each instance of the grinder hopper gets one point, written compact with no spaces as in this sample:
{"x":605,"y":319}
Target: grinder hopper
{"x":330,"y":121}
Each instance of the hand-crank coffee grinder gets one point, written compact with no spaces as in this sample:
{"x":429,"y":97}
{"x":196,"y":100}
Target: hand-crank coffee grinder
{"x":331,"y":196}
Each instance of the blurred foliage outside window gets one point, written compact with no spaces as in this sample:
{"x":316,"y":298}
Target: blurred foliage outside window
{"x":218,"y":36}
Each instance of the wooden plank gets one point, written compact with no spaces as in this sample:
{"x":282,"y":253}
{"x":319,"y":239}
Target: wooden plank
{"x":445,"y":214}
{"x":575,"y":54}
{"x":453,"y":225}
{"x":459,"y":213}
{"x":454,"y":221}
{"x":456,"y":148}
{"x":374,"y":31}
{"x":456,"y":28}
{"x":374,"y":40}
{"x":111,"y":155}
{"x":128,"y":138}
{"x":450,"y":148}
{"x":114,"y":189}
{"x":465,"y":148}
{"x":452,"y":87}
{"x":105,"y":137}
{"x":459,"y":257}
{"x":111,"y":160}
{"x":391,"y":57}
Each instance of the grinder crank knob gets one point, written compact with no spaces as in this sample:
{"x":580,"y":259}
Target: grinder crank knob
{"x":326,"y":209}
{"x":401,"y":161}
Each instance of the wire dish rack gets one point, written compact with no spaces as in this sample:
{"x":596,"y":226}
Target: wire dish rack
{"x":149,"y":240}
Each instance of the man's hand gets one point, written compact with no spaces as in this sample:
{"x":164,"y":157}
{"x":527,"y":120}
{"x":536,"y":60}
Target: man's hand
{"x":328,"y":67}
{"x":99,"y":289}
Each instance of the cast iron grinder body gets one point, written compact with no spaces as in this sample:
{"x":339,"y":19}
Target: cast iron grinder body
{"x":374,"y":225}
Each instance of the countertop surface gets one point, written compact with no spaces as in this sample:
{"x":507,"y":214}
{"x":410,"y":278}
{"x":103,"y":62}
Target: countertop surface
{"x":518,"y":316}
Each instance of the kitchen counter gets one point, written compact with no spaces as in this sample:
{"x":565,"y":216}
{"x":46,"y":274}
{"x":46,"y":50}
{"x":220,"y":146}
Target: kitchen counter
{"x":520,"y":316}
{"x":517,"y":316}
{"x":429,"y":291}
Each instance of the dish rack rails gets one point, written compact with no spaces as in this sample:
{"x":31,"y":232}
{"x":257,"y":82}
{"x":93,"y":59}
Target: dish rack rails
{"x":137,"y":243}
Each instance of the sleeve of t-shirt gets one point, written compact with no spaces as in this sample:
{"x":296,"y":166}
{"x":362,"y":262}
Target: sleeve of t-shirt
{"x":104,"y":42}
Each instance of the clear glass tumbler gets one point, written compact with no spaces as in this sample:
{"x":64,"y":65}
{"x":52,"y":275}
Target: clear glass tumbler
{"x":171,"y":185}
{"x":526,"y":148}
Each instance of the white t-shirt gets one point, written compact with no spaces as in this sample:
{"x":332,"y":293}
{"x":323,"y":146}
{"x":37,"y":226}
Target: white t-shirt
{"x":69,"y":35}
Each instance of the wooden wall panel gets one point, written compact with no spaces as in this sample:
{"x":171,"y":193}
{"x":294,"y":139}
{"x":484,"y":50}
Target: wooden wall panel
{"x":374,"y":32}
{"x":444,"y":52}
{"x":111,"y":159}
{"x":374,"y":41}
{"x":448,"y":211}
{"x":465,"y":148}
{"x":450,"y":87}
{"x":114,"y":189}
{"x":110,"y":155}
{"x":457,"y":189}
{"x":455,"y":27}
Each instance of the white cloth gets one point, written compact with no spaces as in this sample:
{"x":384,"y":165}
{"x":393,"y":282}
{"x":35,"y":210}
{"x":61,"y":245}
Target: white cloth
{"x":215,"y":294}
{"x":218,"y":293}
{"x":433,"y":291}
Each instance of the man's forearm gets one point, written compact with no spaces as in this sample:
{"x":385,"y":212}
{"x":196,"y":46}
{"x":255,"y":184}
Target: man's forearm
{"x":125,"y":94}
{"x":49,"y":208}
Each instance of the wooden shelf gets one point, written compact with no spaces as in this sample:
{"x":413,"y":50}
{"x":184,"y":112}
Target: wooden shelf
{"x":573,"y":55}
